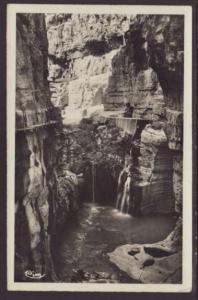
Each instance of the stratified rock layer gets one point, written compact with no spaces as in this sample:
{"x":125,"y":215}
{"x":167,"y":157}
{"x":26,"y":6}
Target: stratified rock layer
{"x":155,"y":171}
{"x":36,"y":182}
{"x":81,"y":48}
{"x":33,"y":168}
{"x":137,"y":59}
{"x":32,"y":92}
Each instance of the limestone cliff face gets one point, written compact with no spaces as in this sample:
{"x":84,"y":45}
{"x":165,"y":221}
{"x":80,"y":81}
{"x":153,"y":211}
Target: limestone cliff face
{"x":34,"y":166}
{"x":137,"y":59}
{"x":88,"y":34}
{"x":39,"y":199}
{"x":155,"y":48}
{"x":32,"y":92}
{"x":155,"y":171}
{"x":81,"y":50}
{"x":156,"y":43}
{"x":144,"y":63}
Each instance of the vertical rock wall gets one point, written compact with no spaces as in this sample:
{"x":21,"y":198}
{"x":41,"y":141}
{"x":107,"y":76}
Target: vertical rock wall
{"x":156,"y":43}
{"x":136,"y":59}
{"x":81,"y":48}
{"x":155,"y":172}
{"x":35,"y":180}
{"x":32,"y":92}
{"x":44,"y":192}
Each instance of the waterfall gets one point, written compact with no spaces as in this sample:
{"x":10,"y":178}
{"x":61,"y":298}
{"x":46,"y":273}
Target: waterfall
{"x":124,"y":40}
{"x":93,"y":182}
{"x":128,"y":125}
{"x":120,"y":189}
{"x":124,"y":207}
{"x":123,"y":193}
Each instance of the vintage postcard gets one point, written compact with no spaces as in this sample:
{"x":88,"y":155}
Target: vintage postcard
{"x":99,"y":133}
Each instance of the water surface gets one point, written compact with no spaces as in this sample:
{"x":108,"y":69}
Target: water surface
{"x":96,"y":230}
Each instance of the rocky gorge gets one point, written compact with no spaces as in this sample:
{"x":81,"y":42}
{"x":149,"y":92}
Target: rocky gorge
{"x":74,"y":75}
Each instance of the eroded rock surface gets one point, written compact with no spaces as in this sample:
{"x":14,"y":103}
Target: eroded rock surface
{"x":81,"y":48}
{"x":34,"y":175}
{"x":155,"y":171}
{"x":37,"y":183}
{"x":152,"y":263}
{"x":139,"y":60}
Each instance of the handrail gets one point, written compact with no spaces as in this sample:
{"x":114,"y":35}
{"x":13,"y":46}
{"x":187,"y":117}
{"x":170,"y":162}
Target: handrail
{"x":37,"y":126}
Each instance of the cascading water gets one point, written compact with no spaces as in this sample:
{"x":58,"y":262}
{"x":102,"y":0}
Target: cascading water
{"x":120,"y":189}
{"x":124,"y":186}
{"x":128,"y":125}
{"x":124,"y":189}
{"x":124,"y":207}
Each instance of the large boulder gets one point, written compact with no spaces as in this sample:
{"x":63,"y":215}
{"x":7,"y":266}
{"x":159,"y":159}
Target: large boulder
{"x":159,"y":262}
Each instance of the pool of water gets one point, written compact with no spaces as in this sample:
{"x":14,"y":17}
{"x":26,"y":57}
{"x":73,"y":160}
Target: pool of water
{"x":96,"y":230}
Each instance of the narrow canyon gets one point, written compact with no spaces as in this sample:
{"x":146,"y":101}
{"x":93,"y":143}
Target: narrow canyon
{"x":98,"y":194}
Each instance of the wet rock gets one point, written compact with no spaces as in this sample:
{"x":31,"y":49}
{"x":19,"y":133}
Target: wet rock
{"x":153,"y":136}
{"x":174,"y":129}
{"x":160,"y":262}
{"x":67,"y":196}
{"x":146,"y":266}
{"x":154,"y":182}
{"x":94,"y":277}
{"x":177,"y":181}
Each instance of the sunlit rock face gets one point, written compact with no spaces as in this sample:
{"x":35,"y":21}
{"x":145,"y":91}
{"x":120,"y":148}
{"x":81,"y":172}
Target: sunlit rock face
{"x":97,"y":67}
{"x":80,"y":55}
{"x":90,"y":80}
{"x":111,"y":60}
{"x":80,"y":31}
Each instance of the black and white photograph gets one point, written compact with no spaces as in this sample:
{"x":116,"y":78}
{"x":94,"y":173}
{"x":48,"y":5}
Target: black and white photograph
{"x":99,"y":148}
